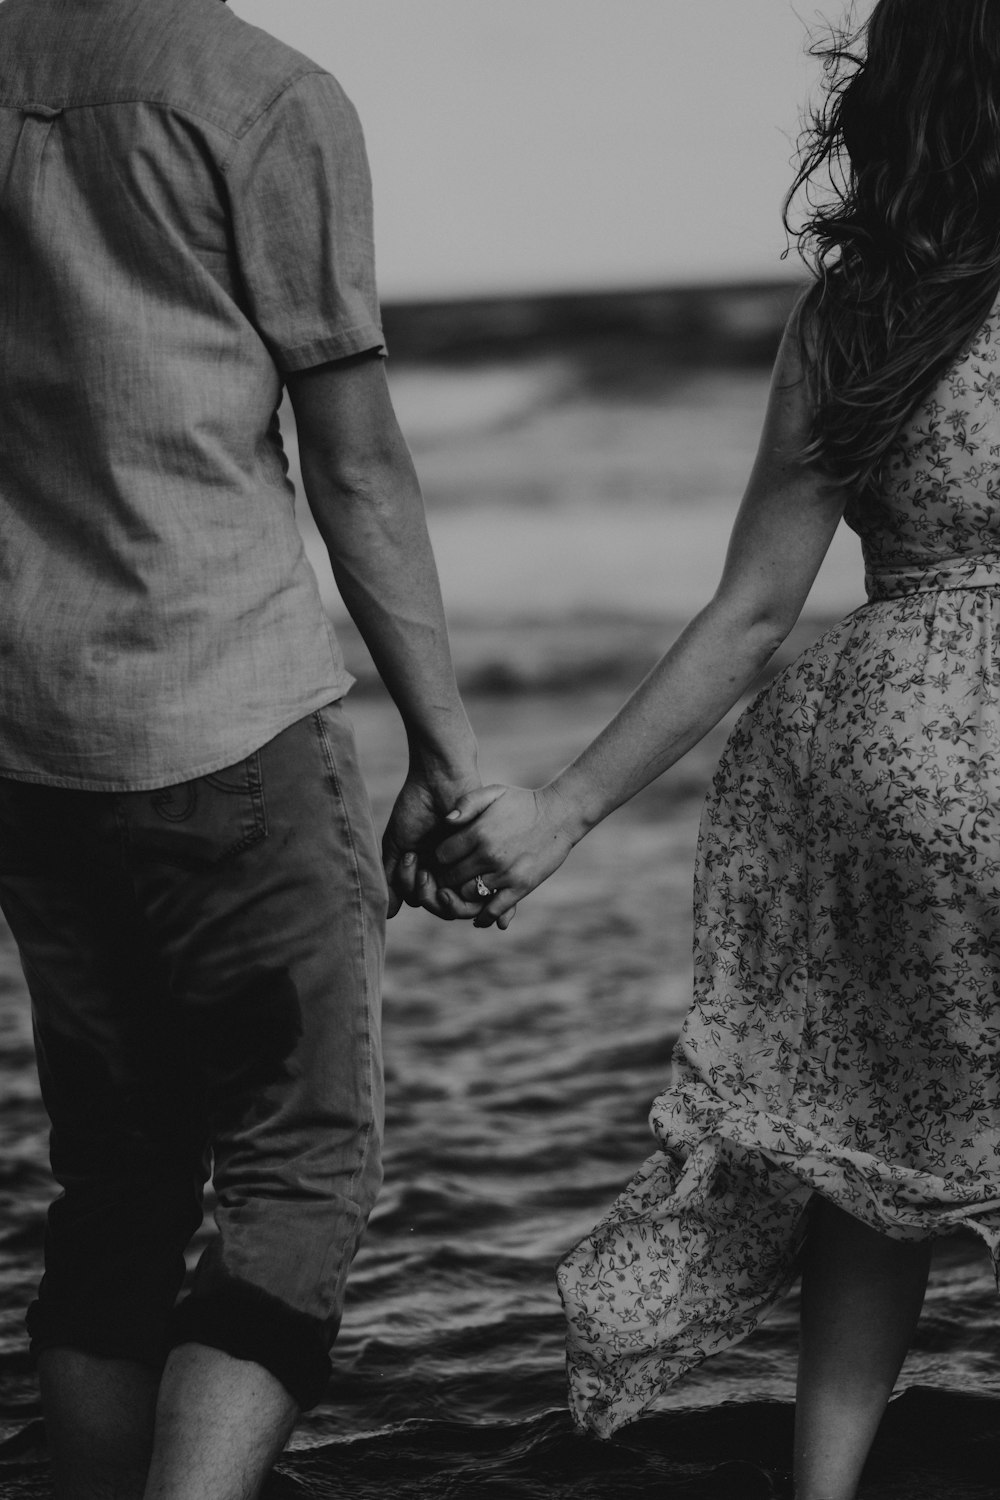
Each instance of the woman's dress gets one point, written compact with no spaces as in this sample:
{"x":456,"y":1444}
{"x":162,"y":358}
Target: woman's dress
{"x":845,"y":1035}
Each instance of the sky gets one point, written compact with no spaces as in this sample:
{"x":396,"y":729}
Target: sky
{"x":536,"y":145}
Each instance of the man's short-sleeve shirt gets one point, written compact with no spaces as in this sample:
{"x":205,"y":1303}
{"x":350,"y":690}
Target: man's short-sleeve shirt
{"x":185,"y":217}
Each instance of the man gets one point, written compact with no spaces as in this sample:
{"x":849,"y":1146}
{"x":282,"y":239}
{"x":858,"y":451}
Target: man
{"x":187,"y":858}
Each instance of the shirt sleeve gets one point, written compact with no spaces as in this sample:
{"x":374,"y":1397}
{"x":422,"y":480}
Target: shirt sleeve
{"x":300,"y":194}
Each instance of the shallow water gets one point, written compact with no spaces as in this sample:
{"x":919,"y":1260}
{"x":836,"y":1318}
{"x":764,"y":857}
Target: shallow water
{"x":574,"y":532}
{"x":520,"y":1068}
{"x":547,"y":498}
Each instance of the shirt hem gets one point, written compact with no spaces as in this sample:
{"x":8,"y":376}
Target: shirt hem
{"x":175,"y":777}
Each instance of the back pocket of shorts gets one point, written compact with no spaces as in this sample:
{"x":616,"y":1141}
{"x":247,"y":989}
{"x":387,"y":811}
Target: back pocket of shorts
{"x":200,"y":823}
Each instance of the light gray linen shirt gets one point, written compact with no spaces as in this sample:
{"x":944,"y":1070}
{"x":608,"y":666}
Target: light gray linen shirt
{"x":185,"y":216}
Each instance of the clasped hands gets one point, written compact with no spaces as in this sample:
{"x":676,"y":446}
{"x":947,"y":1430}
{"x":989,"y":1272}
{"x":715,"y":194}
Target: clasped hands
{"x":506,"y":838}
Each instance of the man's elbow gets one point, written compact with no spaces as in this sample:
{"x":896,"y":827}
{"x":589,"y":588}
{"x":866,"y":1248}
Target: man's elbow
{"x":353,"y":477}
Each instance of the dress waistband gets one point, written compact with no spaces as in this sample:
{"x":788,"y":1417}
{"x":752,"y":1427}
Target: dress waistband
{"x":979,"y":571}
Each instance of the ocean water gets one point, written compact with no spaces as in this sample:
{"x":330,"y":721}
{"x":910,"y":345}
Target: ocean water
{"x":521,"y":1065}
{"x":549,"y":501}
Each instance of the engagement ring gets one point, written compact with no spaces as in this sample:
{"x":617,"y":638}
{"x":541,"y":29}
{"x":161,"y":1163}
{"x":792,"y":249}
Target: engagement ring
{"x":482,"y":889}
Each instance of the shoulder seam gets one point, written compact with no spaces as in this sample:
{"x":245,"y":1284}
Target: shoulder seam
{"x":315,"y":71}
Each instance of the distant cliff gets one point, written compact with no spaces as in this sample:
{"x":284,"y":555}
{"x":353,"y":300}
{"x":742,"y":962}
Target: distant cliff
{"x":629,"y":334}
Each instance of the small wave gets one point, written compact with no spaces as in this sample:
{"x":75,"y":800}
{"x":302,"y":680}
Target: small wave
{"x":934,"y":1445}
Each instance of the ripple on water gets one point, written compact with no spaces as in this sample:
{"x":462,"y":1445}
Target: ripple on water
{"x":520,"y":1070}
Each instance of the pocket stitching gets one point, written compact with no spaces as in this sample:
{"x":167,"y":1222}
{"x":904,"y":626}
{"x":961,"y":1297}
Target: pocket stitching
{"x":253,"y":789}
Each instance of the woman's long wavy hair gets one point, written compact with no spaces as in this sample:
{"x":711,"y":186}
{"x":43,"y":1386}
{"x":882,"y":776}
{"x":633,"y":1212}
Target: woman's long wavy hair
{"x":904,"y":234}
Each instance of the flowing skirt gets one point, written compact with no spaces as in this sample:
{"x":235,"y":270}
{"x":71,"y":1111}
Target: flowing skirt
{"x":845,"y":1033}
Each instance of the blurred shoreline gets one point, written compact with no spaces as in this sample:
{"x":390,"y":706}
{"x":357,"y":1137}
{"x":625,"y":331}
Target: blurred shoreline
{"x":619,"y":335}
{"x":582,"y":459}
{"x":579,"y":654}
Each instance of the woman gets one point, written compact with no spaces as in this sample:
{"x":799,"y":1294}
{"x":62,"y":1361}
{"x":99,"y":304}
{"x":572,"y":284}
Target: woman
{"x":836,"y":1100}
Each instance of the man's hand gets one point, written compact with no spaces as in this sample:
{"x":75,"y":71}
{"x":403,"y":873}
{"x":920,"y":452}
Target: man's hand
{"x":415,"y":825}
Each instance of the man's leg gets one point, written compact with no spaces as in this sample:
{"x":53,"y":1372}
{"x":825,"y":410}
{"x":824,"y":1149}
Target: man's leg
{"x":273,"y":950}
{"x":127,"y":1145}
{"x":220,"y":1425}
{"x":204,"y":964}
{"x":98,"y":1423}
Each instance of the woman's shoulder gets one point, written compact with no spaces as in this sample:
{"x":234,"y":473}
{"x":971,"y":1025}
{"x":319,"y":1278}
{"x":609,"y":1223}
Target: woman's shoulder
{"x":803,"y":321}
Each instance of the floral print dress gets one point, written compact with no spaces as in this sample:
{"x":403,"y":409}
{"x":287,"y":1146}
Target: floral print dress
{"x":845,"y":1034}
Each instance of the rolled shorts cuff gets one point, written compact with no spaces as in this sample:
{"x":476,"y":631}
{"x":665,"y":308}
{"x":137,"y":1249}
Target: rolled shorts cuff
{"x":252,"y":1325}
{"x":96,"y":1335}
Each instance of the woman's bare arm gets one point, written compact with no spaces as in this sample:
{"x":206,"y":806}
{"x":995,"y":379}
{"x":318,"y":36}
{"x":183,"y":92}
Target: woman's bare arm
{"x":782,"y":532}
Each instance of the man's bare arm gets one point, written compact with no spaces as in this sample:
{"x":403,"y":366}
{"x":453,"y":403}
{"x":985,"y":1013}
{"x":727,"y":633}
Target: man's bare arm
{"x":363,"y":492}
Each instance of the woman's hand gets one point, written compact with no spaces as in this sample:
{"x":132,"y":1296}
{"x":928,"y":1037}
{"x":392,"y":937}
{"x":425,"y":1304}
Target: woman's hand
{"x":509,"y":838}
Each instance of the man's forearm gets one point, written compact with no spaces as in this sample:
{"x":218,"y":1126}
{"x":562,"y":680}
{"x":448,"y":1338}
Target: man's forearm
{"x":375,"y":530}
{"x":364,"y":495}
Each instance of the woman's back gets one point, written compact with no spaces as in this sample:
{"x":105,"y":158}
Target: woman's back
{"x":937,"y":511}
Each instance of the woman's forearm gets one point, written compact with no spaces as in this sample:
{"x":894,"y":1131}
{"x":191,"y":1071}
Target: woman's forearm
{"x":513,"y":838}
{"x":690,"y":689}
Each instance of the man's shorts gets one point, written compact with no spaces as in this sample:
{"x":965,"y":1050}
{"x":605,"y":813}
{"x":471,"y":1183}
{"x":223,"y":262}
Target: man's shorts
{"x":204,"y":963}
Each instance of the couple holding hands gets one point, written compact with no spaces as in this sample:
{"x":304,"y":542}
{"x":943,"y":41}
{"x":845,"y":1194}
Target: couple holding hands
{"x":187,"y":857}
